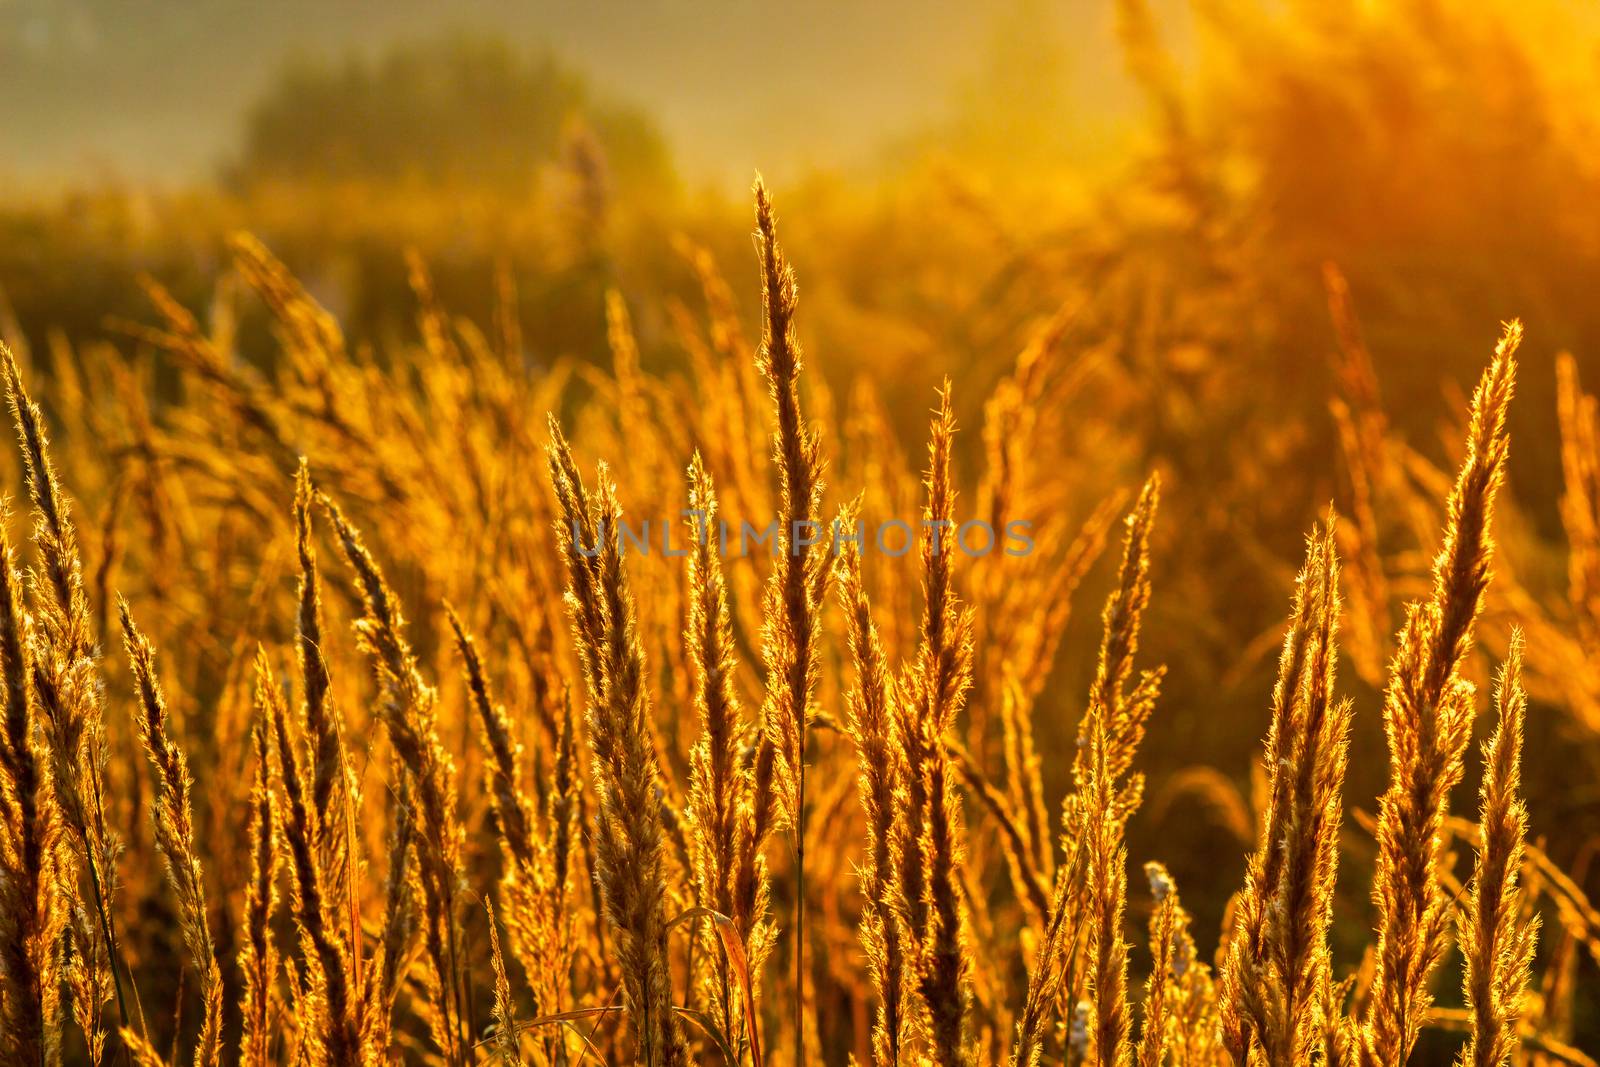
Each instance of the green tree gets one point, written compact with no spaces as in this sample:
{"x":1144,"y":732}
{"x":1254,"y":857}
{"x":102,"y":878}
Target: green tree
{"x":457,"y":111}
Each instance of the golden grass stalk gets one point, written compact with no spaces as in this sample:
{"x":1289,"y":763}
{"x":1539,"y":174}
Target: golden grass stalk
{"x":565,"y":799}
{"x":534,"y":884}
{"x":1090,"y":887}
{"x":174,"y":826}
{"x":332,"y":791}
{"x":938,"y":690}
{"x":513,"y":808}
{"x":140,"y":1050}
{"x":506,"y":1041}
{"x":791,"y":638}
{"x":30,"y":913}
{"x":397,"y":937}
{"x":67,"y":686}
{"x":334,"y":797}
{"x":258,"y":953}
{"x":1497,"y":941}
{"x":1029,"y":883}
{"x":716,"y":793}
{"x":872,"y":728}
{"x":1113,"y":726}
{"x":1277,"y":963}
{"x":408,"y":711}
{"x":1107,"y":880}
{"x":1046,"y":981}
{"x":1024,"y":793}
{"x":1427,"y":715}
{"x":1050,"y":610}
{"x":1160,"y":989}
{"x":328,"y":999}
{"x":1112,"y":707}
{"x":715,"y":787}
{"x":85,"y":973}
{"x":629,"y":850}
{"x":1188,"y":991}
{"x":1025,"y":659}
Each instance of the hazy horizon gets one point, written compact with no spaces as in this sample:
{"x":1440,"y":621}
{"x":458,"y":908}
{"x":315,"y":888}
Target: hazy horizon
{"x":156,"y":93}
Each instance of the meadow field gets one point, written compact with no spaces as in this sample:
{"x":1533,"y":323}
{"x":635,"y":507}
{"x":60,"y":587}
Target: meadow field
{"x":497,"y":600}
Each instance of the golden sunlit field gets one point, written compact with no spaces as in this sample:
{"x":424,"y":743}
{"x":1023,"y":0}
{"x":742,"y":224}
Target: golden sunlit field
{"x":1110,"y":577}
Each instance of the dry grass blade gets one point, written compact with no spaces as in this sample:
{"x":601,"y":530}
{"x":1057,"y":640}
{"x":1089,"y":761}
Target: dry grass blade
{"x":409,"y":713}
{"x":717,"y":789}
{"x":629,"y":833}
{"x":1428,"y":711}
{"x":30,"y":911}
{"x":872,"y":728}
{"x":938,"y":689}
{"x":175,"y":836}
{"x":258,"y":954}
{"x":507,"y":1042}
{"x":332,"y":788}
{"x":1278,"y":964}
{"x":734,"y":952}
{"x":67,"y":687}
{"x":793,"y":607}
{"x":327,"y":967}
{"x":1496,"y":941}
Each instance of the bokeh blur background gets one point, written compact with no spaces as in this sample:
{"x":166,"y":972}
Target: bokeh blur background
{"x":1237,"y":202}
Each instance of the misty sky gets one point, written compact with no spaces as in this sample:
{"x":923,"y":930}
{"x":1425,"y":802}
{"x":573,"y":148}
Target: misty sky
{"x":154,"y":89}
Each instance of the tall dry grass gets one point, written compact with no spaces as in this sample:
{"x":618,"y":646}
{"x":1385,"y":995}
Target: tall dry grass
{"x":507,"y":787}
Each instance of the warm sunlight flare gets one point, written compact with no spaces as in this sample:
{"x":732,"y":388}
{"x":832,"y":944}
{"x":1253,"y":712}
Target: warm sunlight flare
{"x":1042,"y":535}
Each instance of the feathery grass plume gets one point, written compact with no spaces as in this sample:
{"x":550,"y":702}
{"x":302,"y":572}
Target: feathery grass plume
{"x":54,"y":534}
{"x":30,"y":911}
{"x":142,"y":1052}
{"x":791,"y":639}
{"x":397,"y":938}
{"x":1025,"y":669}
{"x":332,"y":791}
{"x":1361,"y":423}
{"x":1277,"y":958}
{"x":174,"y":827}
{"x":1107,"y":893}
{"x":715,"y":787}
{"x":1087,"y":880}
{"x":67,"y":686}
{"x":86,"y":977}
{"x":1123,"y":713}
{"x":1024,"y":783}
{"x":1096,"y":814}
{"x":1496,"y":940}
{"x":1159,"y":994}
{"x":1190,"y":992}
{"x":1045,"y":982}
{"x":408,"y":710}
{"x":1026,"y":879}
{"x":328,"y":1001}
{"x":872,"y":728}
{"x":513,"y":808}
{"x":258,"y":954}
{"x":629,"y":851}
{"x":716,"y":790}
{"x":1033,"y":652}
{"x":506,"y":1040}
{"x":1092,"y":823}
{"x":1427,"y":715}
{"x":534,"y":883}
{"x":938,"y":689}
{"x":565,"y":800}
